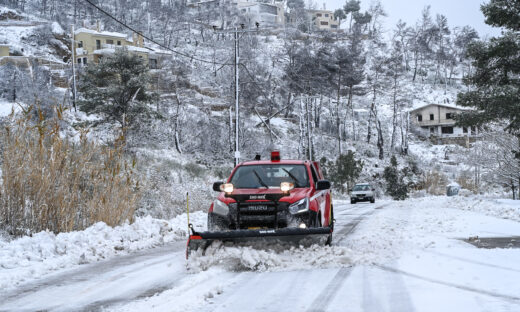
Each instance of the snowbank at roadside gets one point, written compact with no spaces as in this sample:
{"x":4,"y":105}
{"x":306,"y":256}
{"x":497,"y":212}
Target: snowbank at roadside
{"x":31,"y":257}
{"x":499,"y":208}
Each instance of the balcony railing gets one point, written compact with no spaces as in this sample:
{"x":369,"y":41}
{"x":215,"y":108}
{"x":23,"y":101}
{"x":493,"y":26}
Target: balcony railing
{"x":435,"y":122}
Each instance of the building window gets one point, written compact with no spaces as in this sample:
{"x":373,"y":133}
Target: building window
{"x":110,"y":41}
{"x":432,"y":130}
{"x":326,"y":15}
{"x":79,"y":61}
{"x":318,"y":15}
{"x":473,"y":129}
{"x":419,"y":117}
{"x":80,"y":44}
{"x":98,"y":44}
{"x":153,"y":64}
{"x":447,"y":130}
{"x":432,"y":117}
{"x":449,"y":115}
{"x":333,"y":26}
{"x":84,"y":61}
{"x":118,"y":42}
{"x":464,"y":129}
{"x":324,"y":23}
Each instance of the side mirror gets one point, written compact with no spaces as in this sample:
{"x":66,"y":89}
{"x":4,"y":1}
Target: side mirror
{"x":322,"y":185}
{"x":216,"y":186}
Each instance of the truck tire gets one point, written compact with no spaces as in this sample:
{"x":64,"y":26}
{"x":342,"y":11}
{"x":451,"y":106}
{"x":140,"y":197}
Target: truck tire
{"x":211,"y":223}
{"x":352,"y":201}
{"x":313,"y":219}
{"x":372,"y":200}
{"x":331,"y":225}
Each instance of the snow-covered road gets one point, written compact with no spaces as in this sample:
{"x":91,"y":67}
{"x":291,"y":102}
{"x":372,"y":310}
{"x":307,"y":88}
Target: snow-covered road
{"x":386,"y":256}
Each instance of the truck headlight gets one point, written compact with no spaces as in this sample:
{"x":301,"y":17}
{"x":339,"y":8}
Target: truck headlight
{"x":285,"y":187}
{"x":220,"y":208}
{"x":227,"y":188}
{"x":299,"y":206}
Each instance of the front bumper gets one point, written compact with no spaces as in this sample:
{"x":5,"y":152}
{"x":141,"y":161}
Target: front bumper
{"x":304,"y":237}
{"x":259,"y":216}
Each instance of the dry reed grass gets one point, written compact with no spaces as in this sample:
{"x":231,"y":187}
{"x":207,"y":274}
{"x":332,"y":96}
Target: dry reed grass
{"x":467,"y":181}
{"x":50,"y":183}
{"x":433,"y":182}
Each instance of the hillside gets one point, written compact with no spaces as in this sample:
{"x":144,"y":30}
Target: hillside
{"x":288,"y":90}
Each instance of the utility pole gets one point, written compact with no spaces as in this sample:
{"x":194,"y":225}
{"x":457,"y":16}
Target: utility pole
{"x":236,"y":34}
{"x":73,"y":49}
{"x":237,"y":87}
{"x":309,"y":130}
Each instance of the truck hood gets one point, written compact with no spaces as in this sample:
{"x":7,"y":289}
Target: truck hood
{"x":295,"y":194}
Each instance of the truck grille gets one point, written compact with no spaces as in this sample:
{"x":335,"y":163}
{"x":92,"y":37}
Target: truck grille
{"x":261,"y":214}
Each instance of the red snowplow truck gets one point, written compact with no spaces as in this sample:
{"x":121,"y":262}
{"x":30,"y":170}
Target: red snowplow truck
{"x":270,"y":201}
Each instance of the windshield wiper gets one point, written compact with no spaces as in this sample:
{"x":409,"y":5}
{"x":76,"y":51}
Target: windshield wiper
{"x":297,"y":182}
{"x":260,"y":179}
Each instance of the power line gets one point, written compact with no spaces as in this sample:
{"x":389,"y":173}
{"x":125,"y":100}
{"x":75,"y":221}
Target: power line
{"x":151,"y":40}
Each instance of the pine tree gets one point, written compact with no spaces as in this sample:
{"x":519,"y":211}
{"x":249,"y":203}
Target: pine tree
{"x":117,"y":88}
{"x":346,"y":170}
{"x":496,"y":92}
{"x":396,"y":185}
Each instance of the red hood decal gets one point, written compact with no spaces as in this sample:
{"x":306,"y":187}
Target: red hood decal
{"x":295,"y":194}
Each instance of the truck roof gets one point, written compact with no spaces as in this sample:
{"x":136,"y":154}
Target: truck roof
{"x":269,"y":162}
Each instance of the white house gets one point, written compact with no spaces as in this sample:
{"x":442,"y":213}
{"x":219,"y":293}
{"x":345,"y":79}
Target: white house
{"x":437,"y":121}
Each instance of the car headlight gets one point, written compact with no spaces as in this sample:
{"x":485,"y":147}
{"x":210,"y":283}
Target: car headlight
{"x":220,"y":208}
{"x":299,"y":206}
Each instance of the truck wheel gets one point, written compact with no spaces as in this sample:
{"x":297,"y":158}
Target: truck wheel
{"x":313,"y":219}
{"x":331,"y":224}
{"x":328,"y":242}
{"x":352,"y":201}
{"x":372,"y":200}
{"x":211,"y":223}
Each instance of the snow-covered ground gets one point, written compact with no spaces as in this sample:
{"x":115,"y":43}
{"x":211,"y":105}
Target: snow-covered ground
{"x":387,"y":256}
{"x":29,"y":258}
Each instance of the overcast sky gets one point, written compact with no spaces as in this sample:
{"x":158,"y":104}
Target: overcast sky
{"x":458,"y":12}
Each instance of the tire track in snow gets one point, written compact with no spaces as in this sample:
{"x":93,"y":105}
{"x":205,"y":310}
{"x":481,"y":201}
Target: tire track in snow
{"x":509,"y":298}
{"x":472,"y":261}
{"x":351,"y":226}
{"x":329,"y":291}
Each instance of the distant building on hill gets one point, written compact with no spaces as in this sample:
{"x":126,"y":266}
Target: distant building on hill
{"x":323,"y":20}
{"x":266,"y":13}
{"x":227,"y":13}
{"x":92,"y":45}
{"x":437,"y":121}
{"x":4,"y":50}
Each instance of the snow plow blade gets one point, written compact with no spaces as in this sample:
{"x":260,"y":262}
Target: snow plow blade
{"x":295,"y":236}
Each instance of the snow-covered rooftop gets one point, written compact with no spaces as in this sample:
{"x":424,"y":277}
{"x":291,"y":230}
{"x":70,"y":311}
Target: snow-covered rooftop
{"x":100,"y":33}
{"x":443,"y":105}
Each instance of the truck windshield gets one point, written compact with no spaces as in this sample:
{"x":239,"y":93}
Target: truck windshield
{"x":264,"y":176}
